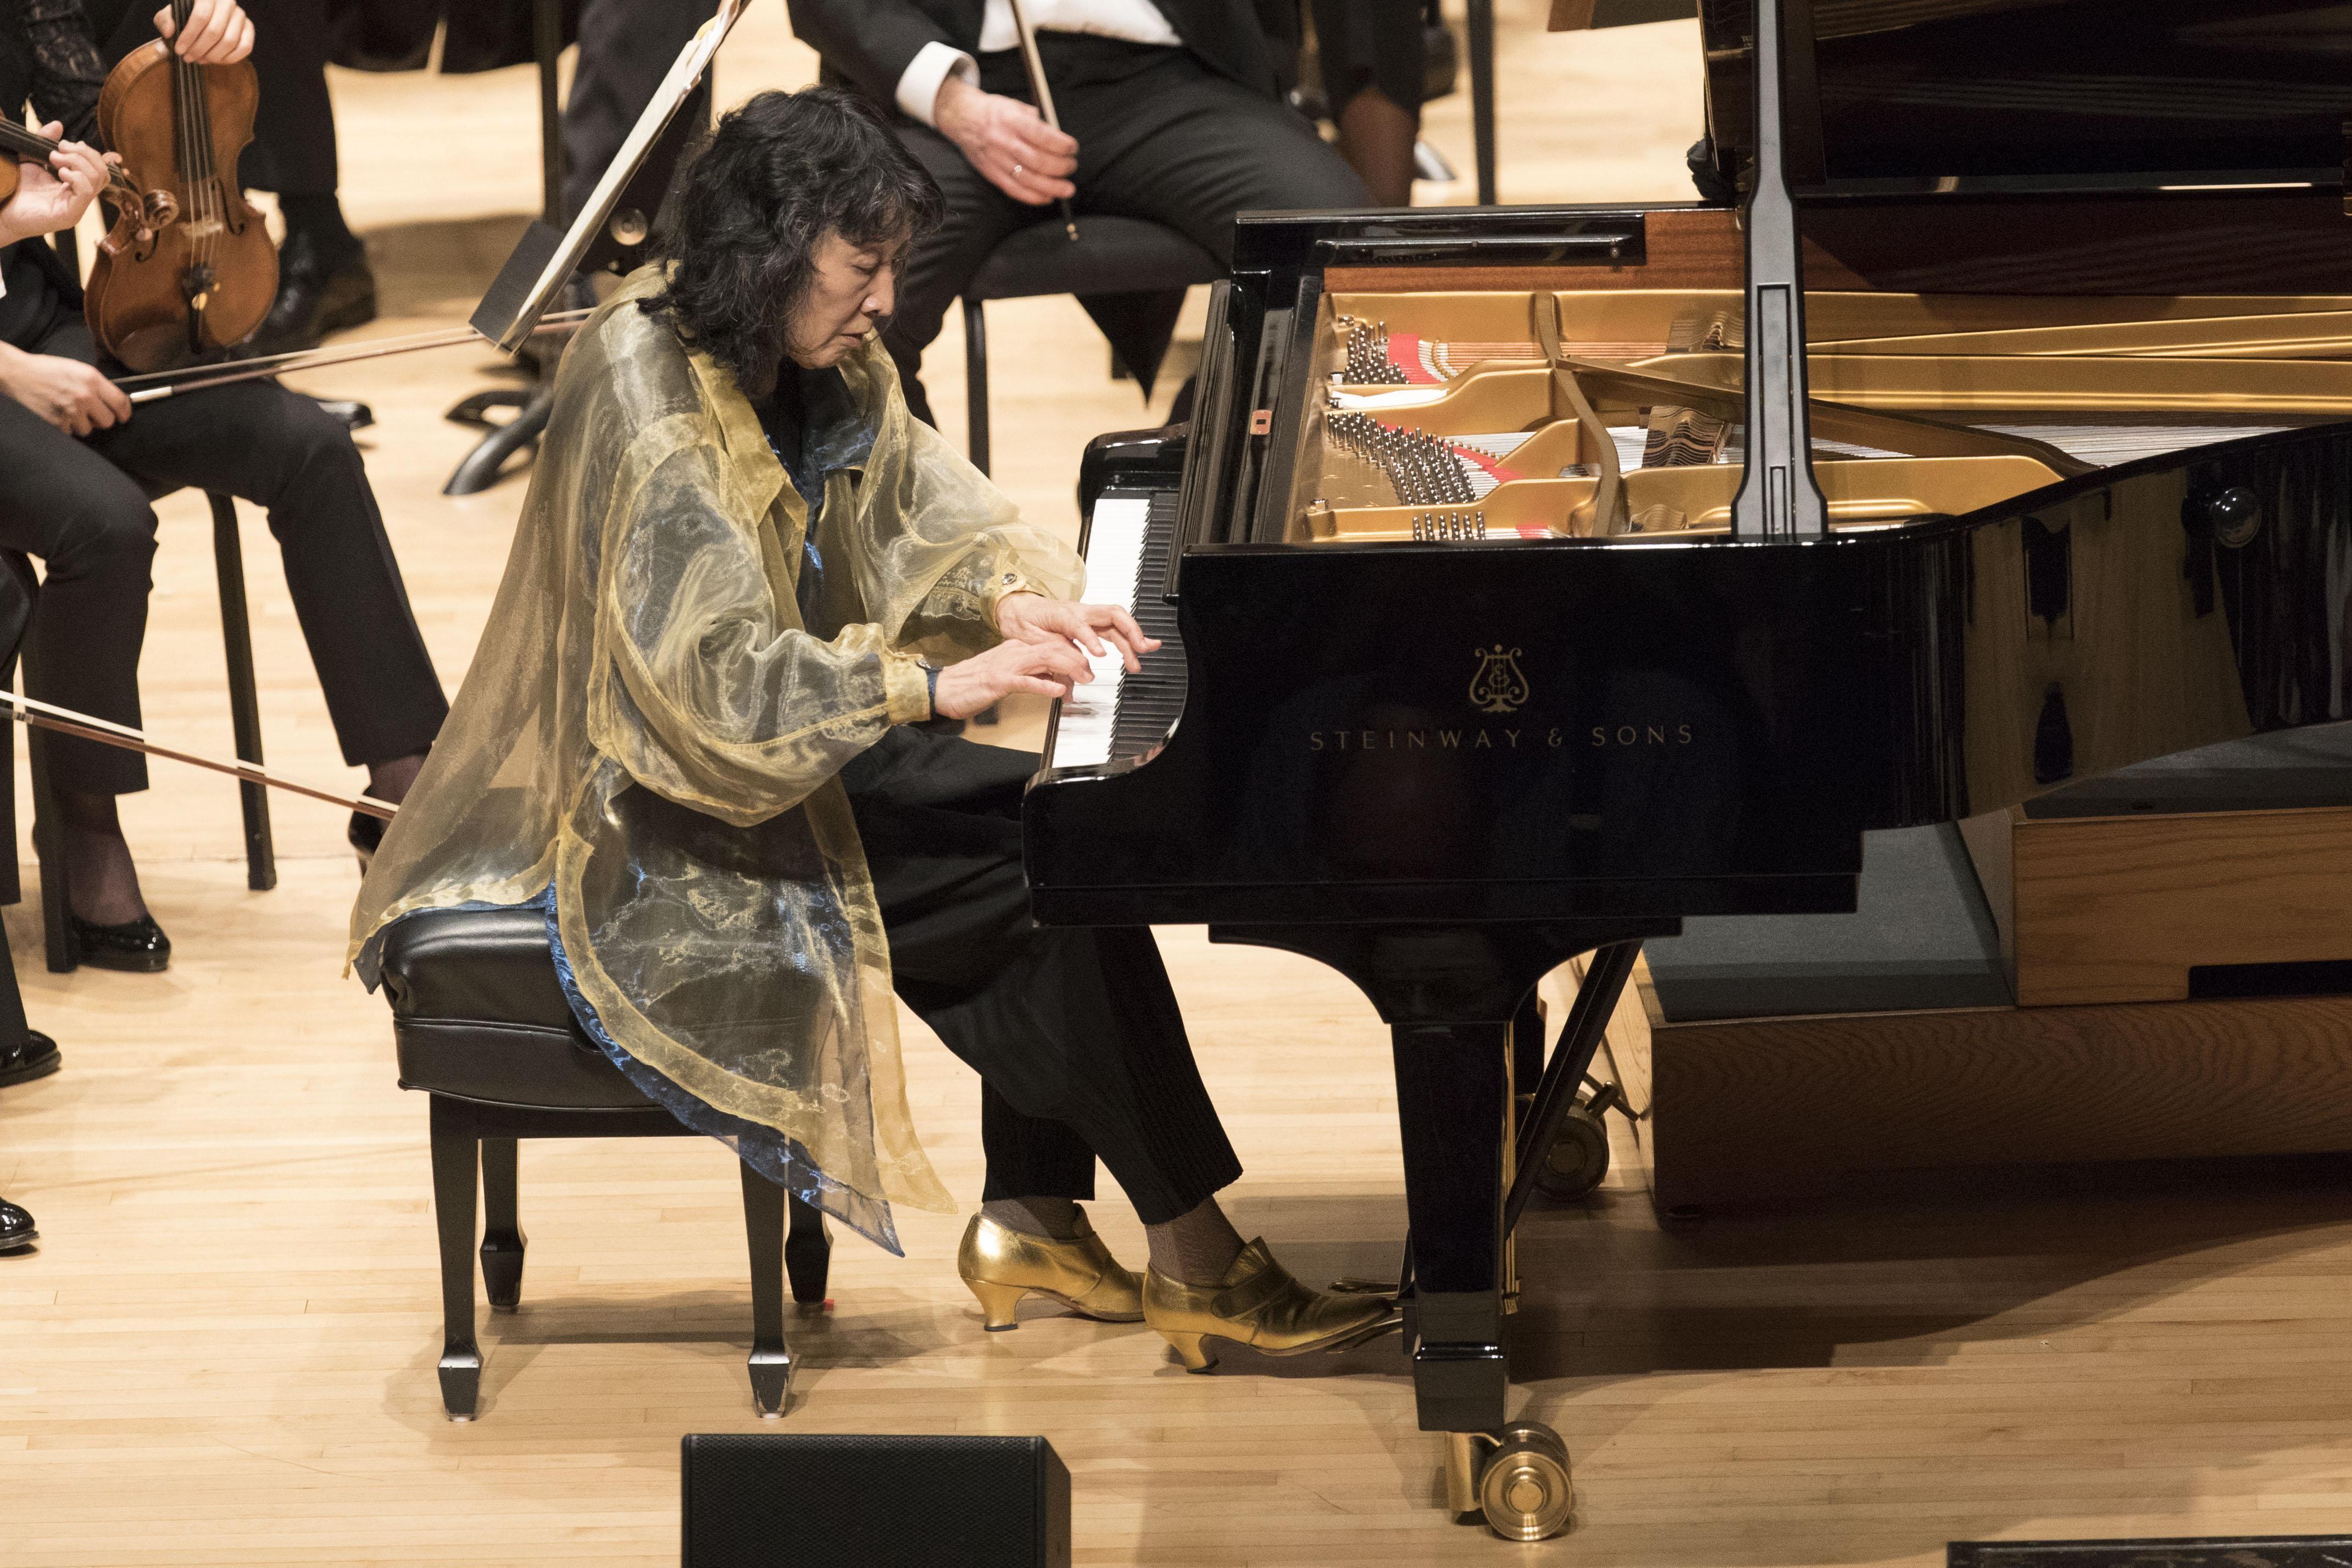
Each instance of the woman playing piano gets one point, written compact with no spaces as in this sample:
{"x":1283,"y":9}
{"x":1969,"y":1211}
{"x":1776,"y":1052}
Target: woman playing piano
{"x":743,"y":576}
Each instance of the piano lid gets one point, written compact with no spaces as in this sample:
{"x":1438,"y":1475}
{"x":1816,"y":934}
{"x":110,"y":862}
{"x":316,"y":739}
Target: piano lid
{"x":2020,"y":95}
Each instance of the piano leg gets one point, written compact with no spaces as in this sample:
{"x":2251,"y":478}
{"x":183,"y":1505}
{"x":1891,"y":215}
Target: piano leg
{"x":1454,"y":1075}
{"x":1451,"y":996}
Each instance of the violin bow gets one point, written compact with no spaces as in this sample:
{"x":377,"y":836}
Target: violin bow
{"x":1035,"y":63}
{"x":41,"y":715}
{"x":543,"y":259}
{"x":157,"y":384}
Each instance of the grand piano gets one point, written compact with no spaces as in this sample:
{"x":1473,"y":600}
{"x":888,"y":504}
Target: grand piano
{"x":1535,"y":579}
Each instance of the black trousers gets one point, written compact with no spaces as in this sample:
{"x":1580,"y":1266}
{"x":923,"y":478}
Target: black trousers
{"x":293,"y":147}
{"x":1160,"y":137}
{"x":80,"y":507}
{"x":1074,"y":1031}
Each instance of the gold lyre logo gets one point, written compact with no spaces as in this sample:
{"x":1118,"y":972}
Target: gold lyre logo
{"x":1497,"y":686}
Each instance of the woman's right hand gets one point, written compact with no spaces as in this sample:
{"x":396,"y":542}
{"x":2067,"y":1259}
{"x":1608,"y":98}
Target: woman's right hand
{"x":53,"y":195}
{"x":66,"y":393}
{"x":980,"y":682}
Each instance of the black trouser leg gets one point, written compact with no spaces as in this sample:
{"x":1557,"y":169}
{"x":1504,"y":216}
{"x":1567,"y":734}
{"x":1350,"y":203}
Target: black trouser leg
{"x":266,"y":445}
{"x":293,"y":147}
{"x":89,"y":526}
{"x":1162,"y":137}
{"x":1075,"y":1032}
{"x":978,"y":217}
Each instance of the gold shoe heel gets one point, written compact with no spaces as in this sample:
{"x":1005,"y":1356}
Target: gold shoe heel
{"x":1190,"y":1351}
{"x":1001,"y":1265}
{"x":997,"y":1301}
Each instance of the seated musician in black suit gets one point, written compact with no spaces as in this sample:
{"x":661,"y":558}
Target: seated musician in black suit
{"x":743,"y":576}
{"x":1171,"y":110}
{"x":77,"y":465}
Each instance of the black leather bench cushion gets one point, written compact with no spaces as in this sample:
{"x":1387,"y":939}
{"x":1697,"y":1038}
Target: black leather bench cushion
{"x":478,"y":1013}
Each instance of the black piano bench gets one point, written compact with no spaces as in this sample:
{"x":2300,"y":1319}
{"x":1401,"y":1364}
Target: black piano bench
{"x":482,"y":1027}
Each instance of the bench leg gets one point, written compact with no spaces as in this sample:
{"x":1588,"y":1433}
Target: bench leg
{"x":763,"y":1227}
{"x":457,"y":1157}
{"x":808,"y":1253}
{"x":502,"y":1237}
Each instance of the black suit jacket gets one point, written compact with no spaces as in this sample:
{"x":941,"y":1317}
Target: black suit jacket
{"x":872,"y":42}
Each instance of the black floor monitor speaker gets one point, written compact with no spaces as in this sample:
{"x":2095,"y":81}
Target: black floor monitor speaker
{"x":849,"y":1501}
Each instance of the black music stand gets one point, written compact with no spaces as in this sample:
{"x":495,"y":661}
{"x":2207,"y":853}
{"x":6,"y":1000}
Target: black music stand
{"x":478,"y":470}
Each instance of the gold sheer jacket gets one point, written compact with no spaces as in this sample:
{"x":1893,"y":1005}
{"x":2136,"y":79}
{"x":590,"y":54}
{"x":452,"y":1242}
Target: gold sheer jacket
{"x":648,"y":725}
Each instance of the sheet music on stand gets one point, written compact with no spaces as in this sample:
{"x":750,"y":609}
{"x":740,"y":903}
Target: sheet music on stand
{"x":544,"y":260}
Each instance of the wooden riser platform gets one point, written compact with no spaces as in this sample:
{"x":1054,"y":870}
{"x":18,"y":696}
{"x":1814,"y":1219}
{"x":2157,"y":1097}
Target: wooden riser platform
{"x":1747,"y":1111}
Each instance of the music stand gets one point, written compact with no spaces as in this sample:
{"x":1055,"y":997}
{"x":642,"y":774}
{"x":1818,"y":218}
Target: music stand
{"x":479,"y":470}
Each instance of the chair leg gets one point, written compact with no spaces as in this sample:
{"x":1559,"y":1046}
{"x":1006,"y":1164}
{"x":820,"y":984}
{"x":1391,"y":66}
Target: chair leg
{"x":502,"y":1237}
{"x":456,"y":1159}
{"x":763,"y":1228}
{"x":243,"y":700}
{"x":808,"y":1253}
{"x":975,"y":384}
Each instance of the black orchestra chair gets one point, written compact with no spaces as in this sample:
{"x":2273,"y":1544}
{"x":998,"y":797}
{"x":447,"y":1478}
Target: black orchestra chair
{"x":1130,"y":274}
{"x":245,"y":725}
{"x":482,"y":1027}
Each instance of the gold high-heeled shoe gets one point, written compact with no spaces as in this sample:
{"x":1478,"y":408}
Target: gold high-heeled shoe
{"x":1259,"y":1305}
{"x":1001,"y":1264}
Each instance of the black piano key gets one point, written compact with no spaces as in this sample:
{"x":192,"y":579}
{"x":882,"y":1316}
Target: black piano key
{"x":1149,"y":702}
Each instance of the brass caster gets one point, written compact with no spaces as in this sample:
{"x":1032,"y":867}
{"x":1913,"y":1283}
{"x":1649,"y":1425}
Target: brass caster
{"x":1524,"y":1489}
{"x":1577,"y":1159}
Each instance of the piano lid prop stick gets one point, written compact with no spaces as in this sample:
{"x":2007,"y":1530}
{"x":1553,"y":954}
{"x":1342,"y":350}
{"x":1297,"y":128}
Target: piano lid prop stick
{"x":511,"y":307}
{"x":1035,"y":63}
{"x":41,"y":715}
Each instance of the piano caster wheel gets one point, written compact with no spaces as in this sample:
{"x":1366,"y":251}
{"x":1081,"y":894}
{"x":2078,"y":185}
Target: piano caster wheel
{"x":1516,"y":1480}
{"x":1579,"y":1157}
{"x":1524,"y":1489}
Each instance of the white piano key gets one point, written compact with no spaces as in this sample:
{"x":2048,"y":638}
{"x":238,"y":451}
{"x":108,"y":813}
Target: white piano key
{"x":1114,"y":552}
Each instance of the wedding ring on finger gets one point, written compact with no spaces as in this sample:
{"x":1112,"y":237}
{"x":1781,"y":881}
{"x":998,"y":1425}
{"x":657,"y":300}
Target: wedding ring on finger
{"x":1016,"y":171}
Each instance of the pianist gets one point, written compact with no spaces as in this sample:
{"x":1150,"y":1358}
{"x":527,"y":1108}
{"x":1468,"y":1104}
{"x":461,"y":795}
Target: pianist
{"x":744,"y":574}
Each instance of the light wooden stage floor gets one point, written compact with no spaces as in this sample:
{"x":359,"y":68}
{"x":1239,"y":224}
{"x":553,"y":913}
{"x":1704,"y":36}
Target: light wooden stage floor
{"x":223,"y":1352}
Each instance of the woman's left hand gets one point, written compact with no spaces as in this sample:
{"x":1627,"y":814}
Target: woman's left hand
{"x":1032,"y":617}
{"x":53,"y":195}
{"x":219,"y":33}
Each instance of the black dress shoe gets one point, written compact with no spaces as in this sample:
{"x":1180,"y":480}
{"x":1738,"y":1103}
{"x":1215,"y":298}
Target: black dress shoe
{"x":350,"y":416}
{"x":366,"y":837}
{"x":16,"y":1232}
{"x":138,"y":946}
{"x":316,"y":296}
{"x":35,"y":1055}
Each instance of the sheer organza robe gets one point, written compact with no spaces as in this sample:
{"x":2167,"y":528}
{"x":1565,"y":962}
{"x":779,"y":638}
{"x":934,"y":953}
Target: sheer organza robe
{"x":647,"y":727}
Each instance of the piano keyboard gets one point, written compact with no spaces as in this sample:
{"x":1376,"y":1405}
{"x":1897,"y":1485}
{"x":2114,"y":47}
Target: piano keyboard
{"x":1122,"y":715}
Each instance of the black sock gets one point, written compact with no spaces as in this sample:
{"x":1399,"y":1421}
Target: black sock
{"x":321,"y":220}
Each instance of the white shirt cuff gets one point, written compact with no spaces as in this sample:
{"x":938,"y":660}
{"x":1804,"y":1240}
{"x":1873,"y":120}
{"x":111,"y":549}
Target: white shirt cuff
{"x":919,"y":83}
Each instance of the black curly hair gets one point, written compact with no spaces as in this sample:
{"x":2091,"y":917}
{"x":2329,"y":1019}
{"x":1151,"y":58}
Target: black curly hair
{"x":779,"y":171}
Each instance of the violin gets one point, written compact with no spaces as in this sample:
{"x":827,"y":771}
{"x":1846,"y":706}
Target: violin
{"x":205,"y":281}
{"x":139,"y":213}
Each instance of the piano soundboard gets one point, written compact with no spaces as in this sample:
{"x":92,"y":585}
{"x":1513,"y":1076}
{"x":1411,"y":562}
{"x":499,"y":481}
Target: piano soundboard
{"x":1129,"y":536}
